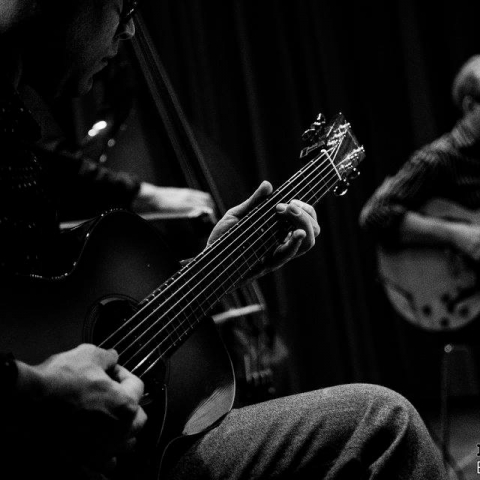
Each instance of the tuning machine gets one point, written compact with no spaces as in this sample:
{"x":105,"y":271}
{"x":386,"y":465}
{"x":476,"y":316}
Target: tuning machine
{"x":354,"y":173}
{"x":316,"y":129}
{"x":342,"y":185}
{"x":341,"y":188}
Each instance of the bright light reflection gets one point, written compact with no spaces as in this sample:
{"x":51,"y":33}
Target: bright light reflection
{"x":97,"y":127}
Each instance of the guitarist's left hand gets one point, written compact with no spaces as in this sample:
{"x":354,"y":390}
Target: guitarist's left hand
{"x":153,"y":198}
{"x":299,"y":214}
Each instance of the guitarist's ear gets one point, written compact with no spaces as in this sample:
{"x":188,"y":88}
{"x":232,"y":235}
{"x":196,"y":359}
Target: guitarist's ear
{"x":471,"y":113}
{"x":468,"y":104}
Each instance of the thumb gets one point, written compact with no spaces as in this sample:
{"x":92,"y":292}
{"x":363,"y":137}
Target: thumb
{"x":256,"y":198}
{"x":106,"y":359}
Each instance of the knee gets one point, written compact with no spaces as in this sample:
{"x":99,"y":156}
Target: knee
{"x":369,"y":409}
{"x":384,"y":398}
{"x":377,"y":397}
{"x":391,"y":412}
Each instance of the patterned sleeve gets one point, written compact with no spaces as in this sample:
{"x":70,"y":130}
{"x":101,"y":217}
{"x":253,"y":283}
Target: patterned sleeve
{"x":420,"y":178}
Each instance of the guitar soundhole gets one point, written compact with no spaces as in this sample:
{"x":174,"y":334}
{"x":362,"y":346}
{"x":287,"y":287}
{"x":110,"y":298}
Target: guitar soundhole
{"x":106,"y":316}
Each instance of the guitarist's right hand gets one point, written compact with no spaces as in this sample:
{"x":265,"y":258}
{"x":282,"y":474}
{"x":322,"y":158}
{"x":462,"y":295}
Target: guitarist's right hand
{"x":85,"y":404}
{"x":466,"y":239}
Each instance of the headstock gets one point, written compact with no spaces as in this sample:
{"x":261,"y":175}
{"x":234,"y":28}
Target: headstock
{"x":335,"y":142}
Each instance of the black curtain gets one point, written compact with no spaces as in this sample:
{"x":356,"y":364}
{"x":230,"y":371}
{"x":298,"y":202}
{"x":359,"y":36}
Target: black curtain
{"x":251,"y":76}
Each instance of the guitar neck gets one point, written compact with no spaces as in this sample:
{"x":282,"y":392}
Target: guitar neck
{"x":169,"y":315}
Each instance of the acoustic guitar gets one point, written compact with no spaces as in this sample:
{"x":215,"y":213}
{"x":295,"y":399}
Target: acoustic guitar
{"x":123,"y":290}
{"x":436,"y":289}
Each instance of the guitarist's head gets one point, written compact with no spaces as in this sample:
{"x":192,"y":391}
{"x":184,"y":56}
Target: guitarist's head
{"x":72,"y":40}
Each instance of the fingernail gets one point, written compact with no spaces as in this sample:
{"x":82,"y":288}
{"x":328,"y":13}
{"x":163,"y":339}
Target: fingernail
{"x":281,"y":207}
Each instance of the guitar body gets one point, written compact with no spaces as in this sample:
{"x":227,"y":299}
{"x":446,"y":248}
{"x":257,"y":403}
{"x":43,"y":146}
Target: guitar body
{"x":120,"y":261}
{"x":433,"y":288}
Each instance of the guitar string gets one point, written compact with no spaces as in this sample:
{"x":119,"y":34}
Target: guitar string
{"x":250,"y":227}
{"x":258,"y":239}
{"x":150,"y":62}
{"x":232,"y":232}
{"x":158,"y":333}
{"x":171,"y":333}
{"x":158,"y":346}
{"x":172,"y":320}
{"x":224,"y":238}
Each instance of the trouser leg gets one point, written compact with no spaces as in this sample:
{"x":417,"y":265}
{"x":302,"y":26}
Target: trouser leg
{"x":348,"y":432}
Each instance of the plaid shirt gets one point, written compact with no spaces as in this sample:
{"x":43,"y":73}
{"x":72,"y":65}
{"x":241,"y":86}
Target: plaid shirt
{"x":447,"y":168}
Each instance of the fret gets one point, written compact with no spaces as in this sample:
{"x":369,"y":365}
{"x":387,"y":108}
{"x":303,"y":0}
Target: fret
{"x":188,"y":310}
{"x":181,"y":321}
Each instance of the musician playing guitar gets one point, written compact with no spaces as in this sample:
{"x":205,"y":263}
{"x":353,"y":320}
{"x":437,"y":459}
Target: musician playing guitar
{"x":73,"y":414}
{"x":430,"y":206}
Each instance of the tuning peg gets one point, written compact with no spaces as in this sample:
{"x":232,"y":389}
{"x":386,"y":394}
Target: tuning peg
{"x":353,"y":174}
{"x":320,"y":121}
{"x":341,"y":188}
{"x":308,"y":134}
{"x":316,"y":128}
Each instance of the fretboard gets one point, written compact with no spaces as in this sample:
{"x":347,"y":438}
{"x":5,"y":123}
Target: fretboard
{"x":168,"y":316}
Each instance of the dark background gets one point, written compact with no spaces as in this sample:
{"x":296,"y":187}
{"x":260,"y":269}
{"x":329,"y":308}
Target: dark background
{"x":250,"y":77}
